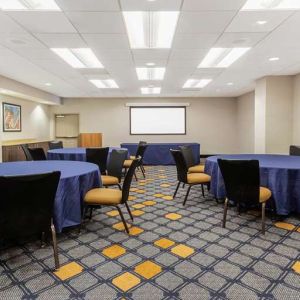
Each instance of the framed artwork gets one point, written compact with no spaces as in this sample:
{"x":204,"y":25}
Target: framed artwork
{"x":11,"y":117}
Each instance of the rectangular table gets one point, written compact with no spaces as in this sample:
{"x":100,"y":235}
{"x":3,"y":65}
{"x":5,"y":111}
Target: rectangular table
{"x":159,"y":153}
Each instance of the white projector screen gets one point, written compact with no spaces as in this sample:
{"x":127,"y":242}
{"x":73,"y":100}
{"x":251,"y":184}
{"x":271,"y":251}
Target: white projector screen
{"x":157,"y":120}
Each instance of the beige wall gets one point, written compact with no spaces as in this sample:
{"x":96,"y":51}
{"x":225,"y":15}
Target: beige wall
{"x":210,"y":121}
{"x":35,"y":120}
{"x":245,"y":123}
{"x":296,"y":110}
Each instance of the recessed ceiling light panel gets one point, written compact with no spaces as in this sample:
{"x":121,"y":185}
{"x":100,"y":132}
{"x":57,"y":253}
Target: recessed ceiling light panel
{"x":79,"y":58}
{"x":104,"y":83}
{"x":196,"y":83}
{"x":28,"y":5}
{"x":150,"y":29}
{"x":150,"y":73}
{"x":150,"y":90}
{"x":222,"y":57}
{"x":273,"y":58}
{"x":271,"y":5}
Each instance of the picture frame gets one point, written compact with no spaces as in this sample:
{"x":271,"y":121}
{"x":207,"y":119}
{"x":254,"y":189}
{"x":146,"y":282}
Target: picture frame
{"x":12,"y":117}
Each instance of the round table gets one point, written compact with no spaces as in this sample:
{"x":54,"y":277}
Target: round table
{"x":77,"y":154}
{"x":76,"y":179}
{"x":280,"y":173}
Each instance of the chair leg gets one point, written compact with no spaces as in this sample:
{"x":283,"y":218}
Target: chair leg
{"x":143,"y":170}
{"x":136,"y":179}
{"x":187,"y":194}
{"x":202,"y":188}
{"x":128,"y":209}
{"x":263,"y":218}
{"x":55,"y":250}
{"x":43,"y":240}
{"x":91,"y":213}
{"x":176,"y":189}
{"x":120,"y":188}
{"x":82,"y":218}
{"x":183,"y":185}
{"x":123,"y":220}
{"x":225,"y":212}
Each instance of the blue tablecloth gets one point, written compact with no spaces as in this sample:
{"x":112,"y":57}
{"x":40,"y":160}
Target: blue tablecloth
{"x":76,"y":179}
{"x":280,"y":173}
{"x":77,"y":154}
{"x":159,"y":153}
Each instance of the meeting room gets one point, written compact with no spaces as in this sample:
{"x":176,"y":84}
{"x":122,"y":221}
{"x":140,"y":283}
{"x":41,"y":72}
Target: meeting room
{"x":149,"y":149}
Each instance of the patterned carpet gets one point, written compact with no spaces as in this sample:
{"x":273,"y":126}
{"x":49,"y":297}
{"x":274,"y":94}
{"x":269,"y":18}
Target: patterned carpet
{"x":173,"y":252}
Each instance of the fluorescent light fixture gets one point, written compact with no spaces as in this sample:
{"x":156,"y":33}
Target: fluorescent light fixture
{"x":28,"y":5}
{"x":196,"y":83}
{"x":273,"y":58}
{"x":150,"y":64}
{"x":48,"y":84}
{"x":222,"y":57}
{"x":229,"y":83}
{"x":271,"y":4}
{"x":261,"y":22}
{"x":104,"y":83}
{"x":150,"y":90}
{"x":79,"y":58}
{"x":150,"y":29}
{"x":150,"y":73}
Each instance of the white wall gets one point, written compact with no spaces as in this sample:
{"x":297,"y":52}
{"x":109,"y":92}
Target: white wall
{"x":210,"y":121}
{"x":245,"y":122}
{"x":35,"y":120}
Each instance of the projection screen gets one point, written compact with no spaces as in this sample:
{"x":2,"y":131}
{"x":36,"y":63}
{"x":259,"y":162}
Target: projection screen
{"x":157,"y":120}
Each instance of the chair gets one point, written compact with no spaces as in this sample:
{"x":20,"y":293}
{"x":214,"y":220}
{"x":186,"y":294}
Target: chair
{"x":114,"y":168}
{"x":242,"y":184}
{"x":98,"y":156}
{"x":140,"y":152}
{"x":112,"y":197}
{"x":187,"y":178}
{"x":190,"y":160}
{"x":26,"y":152}
{"x":295,"y":150}
{"x":37,"y":153}
{"x":26,"y":207}
{"x":55,"y":145}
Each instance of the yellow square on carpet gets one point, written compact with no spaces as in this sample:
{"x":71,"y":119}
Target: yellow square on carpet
{"x":69,"y":270}
{"x":164,"y":243}
{"x":114,"y":251}
{"x":286,"y":226}
{"x":126,"y":281}
{"x":147,"y":269}
{"x":182,"y":250}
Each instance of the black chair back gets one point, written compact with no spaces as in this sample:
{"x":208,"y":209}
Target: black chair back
{"x":26,"y":152}
{"x":98,"y":156}
{"x":295,"y":150}
{"x":26,"y":204}
{"x":37,"y":153}
{"x":140,"y":152}
{"x":241,"y":179}
{"x":181,"y":166}
{"x":55,"y":145}
{"x":115,"y":164}
{"x":188,"y":155}
{"x":128,"y":179}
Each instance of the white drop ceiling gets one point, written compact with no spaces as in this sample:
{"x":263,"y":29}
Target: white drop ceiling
{"x":27,"y":36}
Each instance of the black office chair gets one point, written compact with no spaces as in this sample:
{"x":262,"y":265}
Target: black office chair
{"x":295,"y":150}
{"x":190,"y":160}
{"x":140,"y":152}
{"x":26,"y":207}
{"x":114,"y":168}
{"x":26,"y":152}
{"x":112,"y":197}
{"x":187,"y":178}
{"x":37,"y":153}
{"x":242,"y":184}
{"x":55,"y":145}
{"x":98,"y":156}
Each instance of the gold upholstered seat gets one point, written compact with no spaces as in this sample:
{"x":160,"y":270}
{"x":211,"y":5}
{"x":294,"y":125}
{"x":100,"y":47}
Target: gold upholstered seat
{"x":196,"y":169}
{"x":197,"y":178}
{"x":103,"y":196}
{"x":109,"y":180}
{"x":264,"y":194}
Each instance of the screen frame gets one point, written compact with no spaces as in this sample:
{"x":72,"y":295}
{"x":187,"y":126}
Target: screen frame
{"x":157,"y":106}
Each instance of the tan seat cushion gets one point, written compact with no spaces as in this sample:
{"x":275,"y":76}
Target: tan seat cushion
{"x":132,"y":157}
{"x":109,"y":180}
{"x":195,"y":178}
{"x":196,"y":169}
{"x":264,"y":194}
{"x":127,"y":163}
{"x":103,"y":196}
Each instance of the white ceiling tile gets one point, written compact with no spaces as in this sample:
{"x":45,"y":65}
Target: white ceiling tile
{"x":187,"y":54}
{"x":245,"y":21}
{"x":112,"y":55}
{"x":20,"y":41}
{"x":198,"y":5}
{"x":149,"y":55}
{"x":97,"y":22}
{"x":42,"y":22}
{"x":61,"y":40}
{"x":194,"y":41}
{"x":7,"y":25}
{"x":204,"y":22}
{"x":144,"y":5}
{"x":239,"y":39}
{"x":107,"y":41}
{"x":88,"y":5}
